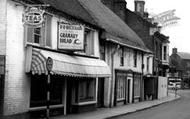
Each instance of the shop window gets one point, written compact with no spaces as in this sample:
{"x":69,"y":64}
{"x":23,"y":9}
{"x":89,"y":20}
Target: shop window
{"x":121,"y":78}
{"x":87,"y":89}
{"x":40,"y":36}
{"x":38,"y":90}
{"x":89,"y":42}
{"x":137,"y":80}
{"x":135,"y":58}
{"x":121,"y":84}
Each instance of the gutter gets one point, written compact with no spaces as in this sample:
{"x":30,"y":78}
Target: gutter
{"x":133,"y":47}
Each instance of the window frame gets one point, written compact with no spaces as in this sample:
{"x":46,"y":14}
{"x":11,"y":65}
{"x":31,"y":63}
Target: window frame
{"x":135,"y":58}
{"x":44,"y":28}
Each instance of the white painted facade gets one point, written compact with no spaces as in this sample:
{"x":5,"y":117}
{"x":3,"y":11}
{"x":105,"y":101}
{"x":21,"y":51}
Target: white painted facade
{"x":128,"y":65}
{"x":13,"y":45}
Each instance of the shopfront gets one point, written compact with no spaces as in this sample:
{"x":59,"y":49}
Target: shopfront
{"x":137,"y":78}
{"x":74,"y":81}
{"x":123,"y":86}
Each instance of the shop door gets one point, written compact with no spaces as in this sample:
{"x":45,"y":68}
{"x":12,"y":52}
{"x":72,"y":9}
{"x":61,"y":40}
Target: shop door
{"x":100,"y":92}
{"x":70,"y":84}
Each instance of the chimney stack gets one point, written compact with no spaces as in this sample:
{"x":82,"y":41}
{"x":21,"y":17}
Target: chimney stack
{"x":174,"y":51}
{"x":139,"y":7}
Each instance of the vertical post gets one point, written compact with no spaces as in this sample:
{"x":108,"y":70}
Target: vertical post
{"x":48,"y":96}
{"x":49,"y":65}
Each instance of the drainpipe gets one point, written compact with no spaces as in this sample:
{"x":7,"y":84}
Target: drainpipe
{"x":112,"y":72}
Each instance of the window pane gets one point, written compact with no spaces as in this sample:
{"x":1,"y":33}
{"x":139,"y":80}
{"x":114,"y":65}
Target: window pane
{"x":87,"y":90}
{"x":38,"y":91}
{"x":29,"y":34}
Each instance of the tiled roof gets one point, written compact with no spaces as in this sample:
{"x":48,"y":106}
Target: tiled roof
{"x":162,"y":37}
{"x":184,"y":55}
{"x":94,"y":12}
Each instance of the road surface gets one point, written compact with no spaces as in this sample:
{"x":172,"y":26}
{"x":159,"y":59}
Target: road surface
{"x":179,"y":109}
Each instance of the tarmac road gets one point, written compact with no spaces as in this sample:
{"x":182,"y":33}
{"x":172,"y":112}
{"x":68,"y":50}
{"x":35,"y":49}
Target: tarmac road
{"x":179,"y":109}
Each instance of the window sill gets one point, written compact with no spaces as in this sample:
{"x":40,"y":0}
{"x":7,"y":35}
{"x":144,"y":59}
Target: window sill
{"x":121,"y":99}
{"x":44,"y":107}
{"x":85,"y":103}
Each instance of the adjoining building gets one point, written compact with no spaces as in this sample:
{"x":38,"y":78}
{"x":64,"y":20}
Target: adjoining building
{"x":180,"y":67}
{"x":156,"y":42}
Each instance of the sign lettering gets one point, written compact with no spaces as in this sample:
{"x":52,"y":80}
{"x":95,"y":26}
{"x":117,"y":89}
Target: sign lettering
{"x":70,"y":37}
{"x":33,"y":16}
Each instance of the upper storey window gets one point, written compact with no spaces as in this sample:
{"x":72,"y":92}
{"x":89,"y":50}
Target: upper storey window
{"x":40,"y":36}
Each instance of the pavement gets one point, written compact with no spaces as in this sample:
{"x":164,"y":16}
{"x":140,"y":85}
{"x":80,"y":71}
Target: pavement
{"x":105,"y":113}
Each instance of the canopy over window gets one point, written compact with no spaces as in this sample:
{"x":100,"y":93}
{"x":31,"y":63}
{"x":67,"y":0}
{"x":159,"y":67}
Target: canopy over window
{"x":64,"y":64}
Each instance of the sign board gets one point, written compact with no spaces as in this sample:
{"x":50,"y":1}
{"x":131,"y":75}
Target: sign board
{"x":33,"y":16}
{"x":70,"y":37}
{"x":166,"y":18}
{"x":49,"y":63}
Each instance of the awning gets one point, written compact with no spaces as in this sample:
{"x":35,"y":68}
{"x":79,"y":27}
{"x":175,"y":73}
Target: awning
{"x":64,"y":64}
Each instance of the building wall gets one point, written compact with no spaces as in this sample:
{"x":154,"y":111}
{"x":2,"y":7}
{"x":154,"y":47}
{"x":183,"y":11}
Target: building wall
{"x":128,"y":65}
{"x":140,"y":26}
{"x":3,"y":24}
{"x":17,"y":84}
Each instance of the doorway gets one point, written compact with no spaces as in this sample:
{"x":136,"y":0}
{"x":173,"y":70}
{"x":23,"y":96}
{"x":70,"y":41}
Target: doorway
{"x":128,"y":90}
{"x":100,"y":92}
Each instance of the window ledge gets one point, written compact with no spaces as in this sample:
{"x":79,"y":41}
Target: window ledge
{"x":85,"y":103}
{"x":44,"y":107}
{"x":121,"y":99}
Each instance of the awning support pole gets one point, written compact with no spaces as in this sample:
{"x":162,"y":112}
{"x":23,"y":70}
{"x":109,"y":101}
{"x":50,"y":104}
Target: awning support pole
{"x":48,"y":96}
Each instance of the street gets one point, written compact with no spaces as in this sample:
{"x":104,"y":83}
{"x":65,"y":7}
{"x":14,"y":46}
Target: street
{"x":179,"y":109}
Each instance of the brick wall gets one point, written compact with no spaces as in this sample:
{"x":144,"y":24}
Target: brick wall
{"x":141,"y":28}
{"x":2,"y":26}
{"x":17,"y":85}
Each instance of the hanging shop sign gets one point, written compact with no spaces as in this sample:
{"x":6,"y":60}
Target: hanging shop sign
{"x":33,"y":16}
{"x":70,"y":37}
{"x":49,"y":63}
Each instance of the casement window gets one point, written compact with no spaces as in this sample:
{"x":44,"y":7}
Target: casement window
{"x":135,"y":58}
{"x":161,"y":52}
{"x":122,"y":56}
{"x":40,"y":36}
{"x":89,"y":42}
{"x":147,"y":65}
{"x":102,"y":49}
{"x":121,"y":85}
{"x":165,"y":53}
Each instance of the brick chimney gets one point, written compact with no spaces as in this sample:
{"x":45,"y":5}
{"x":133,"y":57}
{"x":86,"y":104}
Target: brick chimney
{"x":139,"y":7}
{"x":174,"y":51}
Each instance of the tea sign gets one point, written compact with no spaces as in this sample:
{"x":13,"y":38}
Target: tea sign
{"x":33,"y":16}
